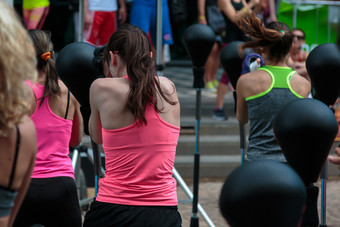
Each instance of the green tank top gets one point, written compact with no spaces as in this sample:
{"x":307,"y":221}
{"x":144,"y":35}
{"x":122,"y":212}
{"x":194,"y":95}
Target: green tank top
{"x":32,"y":4}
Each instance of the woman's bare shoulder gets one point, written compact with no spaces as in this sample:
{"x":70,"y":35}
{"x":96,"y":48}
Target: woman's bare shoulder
{"x":301,"y":85}
{"x":28,"y":133}
{"x":166,"y":84}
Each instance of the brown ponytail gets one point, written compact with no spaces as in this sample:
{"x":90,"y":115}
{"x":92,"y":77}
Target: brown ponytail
{"x":45,"y":54}
{"x":133,"y":46}
{"x":275,"y":37}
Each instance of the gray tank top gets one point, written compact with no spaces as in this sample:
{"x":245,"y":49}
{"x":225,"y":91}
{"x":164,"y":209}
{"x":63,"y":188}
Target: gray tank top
{"x":262,"y":111}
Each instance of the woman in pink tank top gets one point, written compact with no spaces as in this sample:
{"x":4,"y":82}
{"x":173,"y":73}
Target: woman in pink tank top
{"x":136,"y":117}
{"x":52,"y":198}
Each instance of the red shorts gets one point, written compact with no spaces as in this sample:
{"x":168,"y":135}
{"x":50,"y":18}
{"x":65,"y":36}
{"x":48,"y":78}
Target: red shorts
{"x":104,"y":24}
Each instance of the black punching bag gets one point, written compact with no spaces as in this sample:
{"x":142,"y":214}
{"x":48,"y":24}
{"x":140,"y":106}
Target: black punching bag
{"x":198,"y":41}
{"x":76,"y":68}
{"x":323,"y":66}
{"x":263,"y":193}
{"x":305,"y":129}
{"x":231,"y":60}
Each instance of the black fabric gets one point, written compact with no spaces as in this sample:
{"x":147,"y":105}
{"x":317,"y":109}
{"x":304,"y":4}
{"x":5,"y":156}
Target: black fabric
{"x":215,"y":18}
{"x":68,"y":103}
{"x":15,"y":159}
{"x":178,"y":10}
{"x":108,"y":214}
{"x":51,"y":202}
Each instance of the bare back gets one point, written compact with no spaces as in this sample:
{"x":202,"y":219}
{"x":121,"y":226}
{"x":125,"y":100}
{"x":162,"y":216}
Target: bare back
{"x":25,"y":161}
{"x":108,"y":98}
{"x":112,"y":101}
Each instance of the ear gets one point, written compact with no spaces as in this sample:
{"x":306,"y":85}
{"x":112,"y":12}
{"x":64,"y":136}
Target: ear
{"x":150,"y":54}
{"x":113,"y":59}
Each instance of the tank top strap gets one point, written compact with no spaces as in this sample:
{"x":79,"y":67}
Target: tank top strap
{"x":15,"y":158}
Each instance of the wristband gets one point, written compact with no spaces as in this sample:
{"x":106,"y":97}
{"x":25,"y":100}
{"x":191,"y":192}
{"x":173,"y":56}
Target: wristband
{"x":201,"y":17}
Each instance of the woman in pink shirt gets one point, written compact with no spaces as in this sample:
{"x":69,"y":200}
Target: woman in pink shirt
{"x":136,"y":116}
{"x":52,"y":198}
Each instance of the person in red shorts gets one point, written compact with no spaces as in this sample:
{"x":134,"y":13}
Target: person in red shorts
{"x":100,"y":20}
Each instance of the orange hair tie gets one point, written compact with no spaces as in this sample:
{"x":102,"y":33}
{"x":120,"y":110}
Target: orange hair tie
{"x":46,"y":56}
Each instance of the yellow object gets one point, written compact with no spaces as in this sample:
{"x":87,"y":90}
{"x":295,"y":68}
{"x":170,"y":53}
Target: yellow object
{"x":32,"y":4}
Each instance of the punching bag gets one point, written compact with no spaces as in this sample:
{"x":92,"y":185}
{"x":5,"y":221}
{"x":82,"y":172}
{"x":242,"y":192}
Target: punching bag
{"x":231,"y":60}
{"x":263,"y":193}
{"x":198,"y":41}
{"x":323,"y":66}
{"x":76,"y":68}
{"x":305,"y":129}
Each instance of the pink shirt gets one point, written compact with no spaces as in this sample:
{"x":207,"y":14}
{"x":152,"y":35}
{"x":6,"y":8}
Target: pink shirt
{"x":53,"y":138}
{"x":139,"y":160}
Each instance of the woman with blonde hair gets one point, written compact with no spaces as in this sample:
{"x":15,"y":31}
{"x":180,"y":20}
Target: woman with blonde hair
{"x":262,"y":93}
{"x":17,"y":131}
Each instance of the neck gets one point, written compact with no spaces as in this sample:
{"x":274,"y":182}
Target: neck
{"x":282,"y":62}
{"x":41,"y":77}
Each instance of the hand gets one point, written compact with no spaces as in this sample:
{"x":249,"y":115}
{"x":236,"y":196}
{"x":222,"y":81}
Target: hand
{"x":202,"y":20}
{"x":122,"y":15}
{"x":87,"y":19}
{"x":335,"y":159}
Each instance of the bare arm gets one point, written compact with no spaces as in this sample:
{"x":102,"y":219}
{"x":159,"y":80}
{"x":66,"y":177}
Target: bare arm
{"x":77,"y":126}
{"x":201,"y":12}
{"x":229,"y":11}
{"x":95,"y":125}
{"x":335,"y":159}
{"x":122,"y":13}
{"x":241,"y":105}
{"x":272,"y":11}
{"x":87,"y":16}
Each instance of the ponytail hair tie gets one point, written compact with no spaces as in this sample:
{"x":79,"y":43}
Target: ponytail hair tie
{"x":46,"y":56}
{"x":283,"y":32}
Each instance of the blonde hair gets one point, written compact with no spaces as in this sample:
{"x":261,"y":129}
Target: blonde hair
{"x":17,"y":64}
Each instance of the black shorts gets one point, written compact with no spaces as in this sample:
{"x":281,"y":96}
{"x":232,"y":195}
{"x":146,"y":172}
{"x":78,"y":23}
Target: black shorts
{"x":109,"y":214}
{"x":50,"y":202}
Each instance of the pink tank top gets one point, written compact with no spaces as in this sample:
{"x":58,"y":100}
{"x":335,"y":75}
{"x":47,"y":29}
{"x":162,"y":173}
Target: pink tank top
{"x":139,"y":160}
{"x":53,"y":137}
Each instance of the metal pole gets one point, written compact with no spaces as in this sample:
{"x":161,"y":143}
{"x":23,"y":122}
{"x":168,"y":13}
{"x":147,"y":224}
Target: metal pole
{"x":81,"y":20}
{"x":194,"y":218}
{"x":96,"y":165}
{"x":323,"y":176}
{"x":242,"y":142}
{"x":189,"y":194}
{"x":159,"y":40}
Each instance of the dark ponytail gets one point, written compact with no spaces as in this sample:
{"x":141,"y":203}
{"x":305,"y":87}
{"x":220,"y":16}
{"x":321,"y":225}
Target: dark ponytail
{"x":276,"y":37}
{"x":133,"y":46}
{"x":45,"y":55}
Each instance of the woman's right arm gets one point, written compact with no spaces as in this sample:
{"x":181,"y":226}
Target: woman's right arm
{"x":77,"y":126}
{"x":234,"y":15}
{"x":201,"y":12}
{"x":95,"y":125}
{"x":241,"y":105}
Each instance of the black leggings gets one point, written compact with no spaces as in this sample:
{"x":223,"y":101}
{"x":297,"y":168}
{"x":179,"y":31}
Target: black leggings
{"x":50,"y":202}
{"x":112,"y":215}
